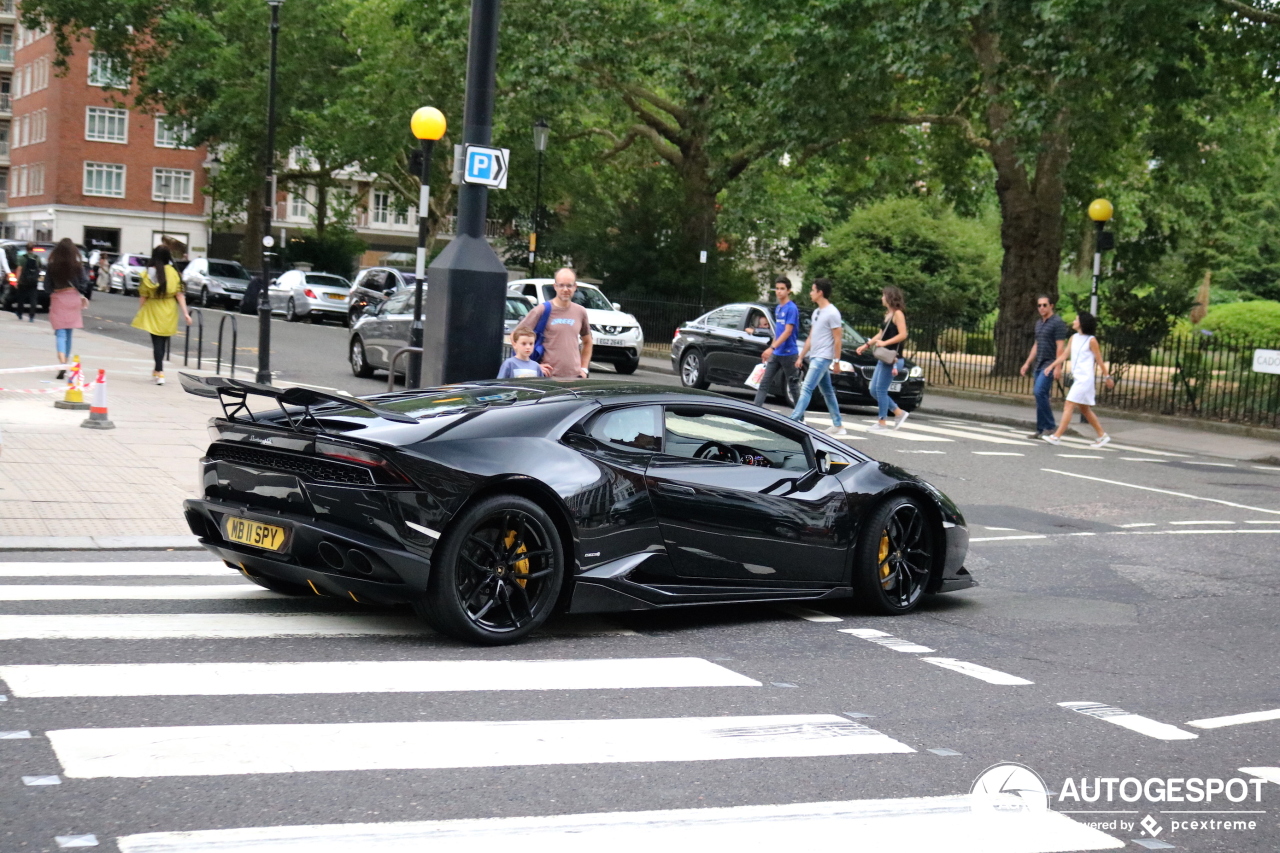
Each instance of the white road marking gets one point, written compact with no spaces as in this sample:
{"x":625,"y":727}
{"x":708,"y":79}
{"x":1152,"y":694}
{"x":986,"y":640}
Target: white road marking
{"x":1267,"y":521}
{"x":1006,"y":538}
{"x":148,"y":626}
{"x":1079,"y":456}
{"x":942,"y":452}
{"x":892,"y":433}
{"x":1236,"y":719}
{"x":78,"y":592}
{"x":1133,"y":722}
{"x":70,"y":570}
{"x":972,"y":436}
{"x":1140,"y":524}
{"x":994,"y":453}
{"x":1200,"y":522}
{"x":989,"y":527}
{"x":238,"y":750}
{"x":1162,"y":491}
{"x":999,"y":823}
{"x":807,"y":614}
{"x":1211,"y":464}
{"x":264,"y":679}
{"x":1271,"y":774}
{"x":1140,"y":459}
{"x":1127,"y":533}
{"x":889,"y":641}
{"x":982,"y":673}
{"x":1267,"y":468}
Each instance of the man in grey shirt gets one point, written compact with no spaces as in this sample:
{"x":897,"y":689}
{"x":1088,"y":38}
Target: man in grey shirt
{"x":823,"y":346}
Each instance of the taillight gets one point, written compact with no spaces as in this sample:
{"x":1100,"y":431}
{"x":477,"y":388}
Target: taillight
{"x":383,"y":472}
{"x":309,"y":293}
{"x":13,"y":279}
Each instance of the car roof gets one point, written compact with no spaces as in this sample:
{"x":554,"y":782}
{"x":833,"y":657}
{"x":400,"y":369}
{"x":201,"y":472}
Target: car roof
{"x":520,"y":282}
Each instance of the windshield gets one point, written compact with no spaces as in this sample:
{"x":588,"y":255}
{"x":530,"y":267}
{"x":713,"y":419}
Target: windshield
{"x":323,"y":280}
{"x":459,"y":399}
{"x":589,"y":297}
{"x":851,"y":336}
{"x":227,"y":269}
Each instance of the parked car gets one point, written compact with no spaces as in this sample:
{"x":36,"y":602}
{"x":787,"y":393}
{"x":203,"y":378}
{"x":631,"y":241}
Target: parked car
{"x":373,"y":286}
{"x":211,"y":281}
{"x":384,"y":328}
{"x":15,"y":253}
{"x":310,"y":295}
{"x":616,"y":337}
{"x":489,"y":506}
{"x":724,"y":345}
{"x":124,"y":275}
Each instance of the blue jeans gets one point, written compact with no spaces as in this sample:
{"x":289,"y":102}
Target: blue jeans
{"x":880,"y":381}
{"x":1044,"y":409}
{"x":819,"y":376}
{"x":64,"y":341}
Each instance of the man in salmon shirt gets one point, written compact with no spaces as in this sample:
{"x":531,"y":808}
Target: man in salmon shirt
{"x":566,"y":340}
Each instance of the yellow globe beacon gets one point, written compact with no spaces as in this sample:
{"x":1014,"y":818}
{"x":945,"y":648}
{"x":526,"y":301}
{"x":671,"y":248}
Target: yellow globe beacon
{"x":1100,"y":210}
{"x":428,"y":123}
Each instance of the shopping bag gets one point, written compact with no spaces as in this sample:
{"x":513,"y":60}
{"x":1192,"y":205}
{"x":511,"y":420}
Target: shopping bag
{"x":756,"y":376}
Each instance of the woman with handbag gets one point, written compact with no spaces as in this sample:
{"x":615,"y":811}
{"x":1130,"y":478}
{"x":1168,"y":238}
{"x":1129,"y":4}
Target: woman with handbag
{"x":65,"y":278}
{"x":160,"y":297}
{"x":886,"y":346}
{"x":1085,"y":356}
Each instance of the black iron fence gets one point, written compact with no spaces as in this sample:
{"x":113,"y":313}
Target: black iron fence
{"x":1188,"y":374}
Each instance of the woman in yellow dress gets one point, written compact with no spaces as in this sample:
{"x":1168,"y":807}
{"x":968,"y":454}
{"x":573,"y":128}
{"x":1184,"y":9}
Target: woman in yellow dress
{"x":159,"y":304}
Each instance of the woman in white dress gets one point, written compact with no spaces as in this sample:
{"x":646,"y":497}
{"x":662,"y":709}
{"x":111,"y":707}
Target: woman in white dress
{"x":1085,"y":357}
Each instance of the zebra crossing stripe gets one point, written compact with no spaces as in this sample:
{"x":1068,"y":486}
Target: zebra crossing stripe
{"x":149,"y":626}
{"x":78,"y":592}
{"x":982,"y":673}
{"x":887,"y":640}
{"x":242,"y":679}
{"x":71,"y":570}
{"x":1132,"y":722}
{"x":959,"y":824}
{"x":298,"y":748}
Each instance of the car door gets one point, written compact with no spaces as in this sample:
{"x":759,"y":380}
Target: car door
{"x":757,"y":334}
{"x":739,"y":498}
{"x":723,"y":335}
{"x":390,"y":328}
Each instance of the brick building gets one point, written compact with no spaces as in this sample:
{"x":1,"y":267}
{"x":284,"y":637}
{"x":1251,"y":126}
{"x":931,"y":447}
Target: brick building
{"x":81,"y":165}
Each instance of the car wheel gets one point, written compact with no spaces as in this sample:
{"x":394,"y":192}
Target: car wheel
{"x":496,"y":573}
{"x":290,"y":311}
{"x":359,"y":361}
{"x":628,"y":367}
{"x":893,"y":561}
{"x":909,"y":407}
{"x":282,"y":587}
{"x":693,"y":372}
{"x":204,"y":297}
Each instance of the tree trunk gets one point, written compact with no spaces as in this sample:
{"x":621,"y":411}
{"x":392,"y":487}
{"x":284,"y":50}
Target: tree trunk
{"x":322,"y":207}
{"x":251,"y":246}
{"x":699,"y":224}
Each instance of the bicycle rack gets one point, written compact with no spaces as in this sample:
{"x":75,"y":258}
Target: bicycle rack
{"x":234,"y":339}
{"x":186,"y":346}
{"x":391,"y":367}
{"x":222,"y":324}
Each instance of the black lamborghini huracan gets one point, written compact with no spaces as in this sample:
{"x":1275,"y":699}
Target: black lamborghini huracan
{"x":490,"y":505}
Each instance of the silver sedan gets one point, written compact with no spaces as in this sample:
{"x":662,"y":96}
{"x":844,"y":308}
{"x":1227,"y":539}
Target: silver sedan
{"x":313,"y":295}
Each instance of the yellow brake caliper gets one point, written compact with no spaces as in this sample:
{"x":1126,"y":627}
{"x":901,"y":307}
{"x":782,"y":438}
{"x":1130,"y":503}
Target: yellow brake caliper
{"x":522,"y":566}
{"x":885,"y":570}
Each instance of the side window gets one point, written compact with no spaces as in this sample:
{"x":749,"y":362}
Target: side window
{"x":373,"y":280}
{"x":635,"y":428}
{"x":756,"y":319}
{"x":719,"y":436}
{"x":727,"y":318}
{"x":401,"y":303}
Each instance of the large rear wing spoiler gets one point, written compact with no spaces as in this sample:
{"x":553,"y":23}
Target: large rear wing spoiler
{"x":234,"y":395}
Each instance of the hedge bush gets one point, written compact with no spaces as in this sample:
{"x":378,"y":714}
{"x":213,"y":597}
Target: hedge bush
{"x":1256,"y":322}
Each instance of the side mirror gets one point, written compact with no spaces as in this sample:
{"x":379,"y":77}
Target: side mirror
{"x":369,"y":310}
{"x":827,"y":465}
{"x":617,"y":306}
{"x":761,"y":333}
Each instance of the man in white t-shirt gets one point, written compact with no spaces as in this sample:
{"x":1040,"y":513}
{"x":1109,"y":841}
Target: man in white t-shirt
{"x":823,"y":348}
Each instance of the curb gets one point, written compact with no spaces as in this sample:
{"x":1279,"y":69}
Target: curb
{"x":100,"y":543}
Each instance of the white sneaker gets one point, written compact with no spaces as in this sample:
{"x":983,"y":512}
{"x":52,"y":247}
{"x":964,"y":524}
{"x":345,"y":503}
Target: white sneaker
{"x":879,"y":427}
{"x":1101,"y":442}
{"x":159,"y":378}
{"x":1052,"y":439}
{"x":901,"y":419}
{"x":836,"y":430}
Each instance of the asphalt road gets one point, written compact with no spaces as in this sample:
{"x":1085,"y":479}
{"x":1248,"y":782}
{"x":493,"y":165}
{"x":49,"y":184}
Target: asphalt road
{"x":1127,"y":578}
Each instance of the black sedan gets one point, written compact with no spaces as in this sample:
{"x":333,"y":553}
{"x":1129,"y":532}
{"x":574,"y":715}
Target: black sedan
{"x":488,"y":506}
{"x":722,"y":346}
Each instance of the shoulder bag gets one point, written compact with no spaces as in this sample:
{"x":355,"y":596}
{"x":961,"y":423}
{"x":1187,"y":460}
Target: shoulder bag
{"x":539,"y":330}
{"x":882,"y":353}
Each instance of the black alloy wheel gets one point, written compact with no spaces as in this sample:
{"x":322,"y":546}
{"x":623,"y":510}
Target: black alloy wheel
{"x":359,"y":360}
{"x":693,"y":371}
{"x":496,"y":573}
{"x":290,"y":311}
{"x":894,"y":557}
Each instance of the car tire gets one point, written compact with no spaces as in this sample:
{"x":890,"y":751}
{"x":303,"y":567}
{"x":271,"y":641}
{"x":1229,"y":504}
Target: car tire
{"x":282,"y":587}
{"x":359,"y":359}
{"x":290,"y":311}
{"x":482,"y":590}
{"x":894,"y":559}
{"x":204,"y":298}
{"x":628,"y":367}
{"x":909,"y":407}
{"x":693,"y":371}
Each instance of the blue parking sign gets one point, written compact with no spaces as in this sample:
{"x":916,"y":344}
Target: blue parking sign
{"x":486,"y":166}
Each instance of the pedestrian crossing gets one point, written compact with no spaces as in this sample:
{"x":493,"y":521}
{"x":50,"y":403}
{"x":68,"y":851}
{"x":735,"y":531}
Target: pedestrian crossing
{"x":173,"y":738}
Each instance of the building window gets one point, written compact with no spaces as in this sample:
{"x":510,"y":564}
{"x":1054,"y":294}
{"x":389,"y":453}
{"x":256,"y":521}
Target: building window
{"x":172,"y":133}
{"x":19,"y":181}
{"x":402,"y":217}
{"x":42,"y":73}
{"x":381,"y":207}
{"x":35,"y":185}
{"x":103,"y":73}
{"x":299,"y":206}
{"x":106,"y":125}
{"x":171,"y":185}
{"x":40,"y":125}
{"x":105,"y":179}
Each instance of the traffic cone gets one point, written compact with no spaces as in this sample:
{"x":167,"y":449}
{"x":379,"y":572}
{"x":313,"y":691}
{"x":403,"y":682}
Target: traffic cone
{"x":74,"y":398}
{"x":98,"y":411}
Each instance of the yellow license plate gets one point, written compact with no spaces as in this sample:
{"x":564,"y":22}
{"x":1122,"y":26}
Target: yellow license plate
{"x":254,"y":533}
{"x":335,"y":296}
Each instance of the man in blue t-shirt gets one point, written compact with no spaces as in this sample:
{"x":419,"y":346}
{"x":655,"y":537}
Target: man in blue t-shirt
{"x":781,"y":354}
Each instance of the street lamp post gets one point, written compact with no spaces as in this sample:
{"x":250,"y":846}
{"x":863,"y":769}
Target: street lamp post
{"x":428,"y":126}
{"x":541,"y":131}
{"x":164,"y":207}
{"x":1100,"y":211}
{"x":268,"y":207}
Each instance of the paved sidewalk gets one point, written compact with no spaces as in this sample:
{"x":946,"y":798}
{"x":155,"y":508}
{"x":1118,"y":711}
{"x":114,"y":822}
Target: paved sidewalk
{"x":62,"y":486}
{"x":1188,"y":439}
